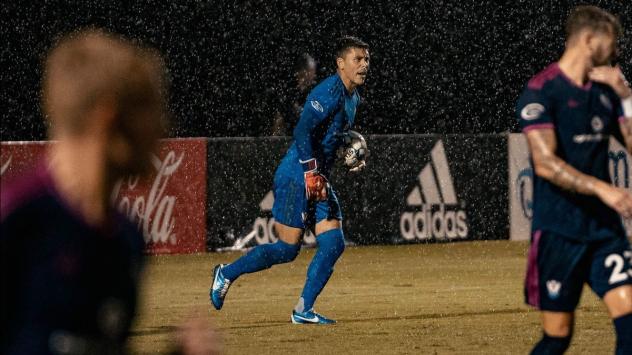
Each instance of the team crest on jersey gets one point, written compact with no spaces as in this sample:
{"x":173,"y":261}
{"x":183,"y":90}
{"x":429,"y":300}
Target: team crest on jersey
{"x":605,"y":101}
{"x":597,"y":124}
{"x":532,"y":111}
{"x":317,"y":106}
{"x":553,"y":287}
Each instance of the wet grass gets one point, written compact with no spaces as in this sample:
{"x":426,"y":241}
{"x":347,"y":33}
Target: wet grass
{"x":451,"y":298}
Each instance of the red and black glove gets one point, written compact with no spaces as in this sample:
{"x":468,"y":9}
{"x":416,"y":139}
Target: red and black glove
{"x":315,"y":183}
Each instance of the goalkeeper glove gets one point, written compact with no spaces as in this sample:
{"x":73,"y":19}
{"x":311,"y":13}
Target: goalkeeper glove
{"x":315,"y":183}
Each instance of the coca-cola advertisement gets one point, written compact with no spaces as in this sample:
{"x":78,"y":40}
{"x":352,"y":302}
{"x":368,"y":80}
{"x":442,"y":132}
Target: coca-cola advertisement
{"x":168,"y":207}
{"x":18,"y":157}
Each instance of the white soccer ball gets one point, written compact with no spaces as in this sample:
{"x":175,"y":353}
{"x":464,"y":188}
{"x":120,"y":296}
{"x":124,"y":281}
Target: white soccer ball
{"x":353,"y":151}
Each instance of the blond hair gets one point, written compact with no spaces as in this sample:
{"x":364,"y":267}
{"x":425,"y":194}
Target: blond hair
{"x":90,"y":66}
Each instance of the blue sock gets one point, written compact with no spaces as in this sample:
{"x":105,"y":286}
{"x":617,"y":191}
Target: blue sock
{"x":330,"y":245}
{"x":262,"y":257}
{"x":623,"y":326}
{"x":549,"y":345}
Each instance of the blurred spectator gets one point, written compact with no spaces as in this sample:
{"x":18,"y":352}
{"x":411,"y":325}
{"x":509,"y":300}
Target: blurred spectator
{"x":290,"y":104}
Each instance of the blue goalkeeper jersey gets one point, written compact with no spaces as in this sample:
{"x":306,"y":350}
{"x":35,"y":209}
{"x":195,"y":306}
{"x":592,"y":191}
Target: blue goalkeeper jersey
{"x":583,"y":119}
{"x":328,"y":112}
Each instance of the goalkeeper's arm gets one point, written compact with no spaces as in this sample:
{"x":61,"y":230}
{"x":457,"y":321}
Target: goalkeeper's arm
{"x":315,"y":183}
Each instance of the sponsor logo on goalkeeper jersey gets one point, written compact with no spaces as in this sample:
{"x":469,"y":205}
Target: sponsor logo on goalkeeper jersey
{"x":317,"y":106}
{"x":434,"y":211}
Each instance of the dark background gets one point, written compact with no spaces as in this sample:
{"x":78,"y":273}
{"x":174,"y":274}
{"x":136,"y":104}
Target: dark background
{"x":437,"y":66}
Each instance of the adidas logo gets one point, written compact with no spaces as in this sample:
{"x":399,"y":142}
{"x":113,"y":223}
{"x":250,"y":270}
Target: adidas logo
{"x":262,"y":229}
{"x":264,"y":224}
{"x":440,"y":216}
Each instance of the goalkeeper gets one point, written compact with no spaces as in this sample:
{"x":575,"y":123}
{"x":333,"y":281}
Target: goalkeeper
{"x":303,"y":197}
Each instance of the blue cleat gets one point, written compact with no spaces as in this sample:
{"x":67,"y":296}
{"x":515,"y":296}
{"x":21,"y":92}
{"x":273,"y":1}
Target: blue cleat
{"x":310,"y":317}
{"x":219,"y":288}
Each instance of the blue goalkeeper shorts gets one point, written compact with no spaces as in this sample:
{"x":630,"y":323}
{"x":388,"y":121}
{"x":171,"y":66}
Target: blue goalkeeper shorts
{"x":292,"y":208}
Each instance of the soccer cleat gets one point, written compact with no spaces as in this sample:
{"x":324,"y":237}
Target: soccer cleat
{"x":310,"y":317}
{"x":219,"y":288}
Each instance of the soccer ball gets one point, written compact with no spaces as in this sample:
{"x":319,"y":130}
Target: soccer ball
{"x":353,"y":151}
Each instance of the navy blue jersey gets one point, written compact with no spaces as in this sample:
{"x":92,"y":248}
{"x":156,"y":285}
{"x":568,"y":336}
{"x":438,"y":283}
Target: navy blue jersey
{"x":328,"y":112}
{"x":63,"y":279}
{"x":583,"y":118}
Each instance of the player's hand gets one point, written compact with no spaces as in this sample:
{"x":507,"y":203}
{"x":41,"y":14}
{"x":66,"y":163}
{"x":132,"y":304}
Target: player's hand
{"x":617,"y":198}
{"x":315,"y":186}
{"x":358,"y":168}
{"x":197,"y":336}
{"x":612,"y":76}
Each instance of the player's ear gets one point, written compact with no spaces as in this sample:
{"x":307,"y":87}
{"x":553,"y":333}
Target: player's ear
{"x":588,"y":39}
{"x":340,"y":62}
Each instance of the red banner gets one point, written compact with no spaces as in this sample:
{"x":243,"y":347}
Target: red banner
{"x":18,"y":157}
{"x":169,"y":207}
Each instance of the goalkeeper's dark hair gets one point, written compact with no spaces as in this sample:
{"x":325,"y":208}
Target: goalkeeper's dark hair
{"x":343,"y":44}
{"x":592,"y":18}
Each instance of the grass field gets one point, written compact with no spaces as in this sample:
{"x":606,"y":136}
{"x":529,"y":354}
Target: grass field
{"x":462,"y":298}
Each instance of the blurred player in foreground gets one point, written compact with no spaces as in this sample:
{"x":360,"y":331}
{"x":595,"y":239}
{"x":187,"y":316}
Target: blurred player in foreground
{"x":70,"y":262}
{"x":303,"y":197}
{"x":568,"y":112}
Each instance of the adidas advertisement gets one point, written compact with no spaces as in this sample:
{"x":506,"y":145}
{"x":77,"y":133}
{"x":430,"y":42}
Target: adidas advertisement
{"x":429,"y":188}
{"x":263,"y":229}
{"x":451,"y":188}
{"x":438,"y":214}
{"x":240,"y":174}
{"x":415,"y":189}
